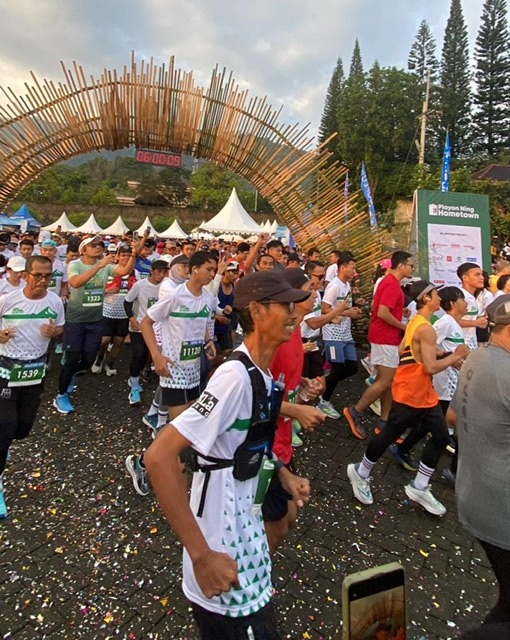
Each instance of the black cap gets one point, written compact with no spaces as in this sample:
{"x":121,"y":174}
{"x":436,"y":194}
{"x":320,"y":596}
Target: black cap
{"x":295,"y":276}
{"x":265,"y":285}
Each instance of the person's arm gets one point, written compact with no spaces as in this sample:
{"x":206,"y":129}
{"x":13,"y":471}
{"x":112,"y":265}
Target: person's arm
{"x":64,"y":290}
{"x":130,"y":265}
{"x":309,"y":417}
{"x":214,"y":571}
{"x":81,"y":279}
{"x":384,"y":313}
{"x":480,"y":323}
{"x":426,"y":336}
{"x":254,"y":252}
{"x":326,"y":318}
{"x":451,"y":417}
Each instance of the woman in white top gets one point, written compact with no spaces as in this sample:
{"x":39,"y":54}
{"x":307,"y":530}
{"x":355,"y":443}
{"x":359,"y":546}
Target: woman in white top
{"x":503,"y":286}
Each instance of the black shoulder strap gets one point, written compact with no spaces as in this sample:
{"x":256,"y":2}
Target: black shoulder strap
{"x":261,"y":408}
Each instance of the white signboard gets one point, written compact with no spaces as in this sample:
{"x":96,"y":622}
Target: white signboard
{"x":449,"y":247}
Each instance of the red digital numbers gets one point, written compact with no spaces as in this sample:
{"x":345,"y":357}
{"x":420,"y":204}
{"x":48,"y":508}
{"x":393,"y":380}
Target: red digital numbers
{"x":159,"y":159}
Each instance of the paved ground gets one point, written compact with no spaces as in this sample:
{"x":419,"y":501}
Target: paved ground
{"x":83,"y":556}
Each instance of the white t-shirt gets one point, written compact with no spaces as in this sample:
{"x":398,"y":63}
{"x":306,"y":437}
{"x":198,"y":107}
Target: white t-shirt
{"x":306,"y":331}
{"x":166,"y":287}
{"x":26,"y":317}
{"x":7,"y":287}
{"x":144,"y":295}
{"x":449,"y":335}
{"x":183,"y":319}
{"x":216,"y":424}
{"x":59,"y":275}
{"x":337,"y":292}
{"x":472,"y":314}
{"x":331,"y":272}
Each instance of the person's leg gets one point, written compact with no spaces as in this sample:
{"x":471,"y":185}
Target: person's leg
{"x":98,"y":363}
{"x":74,"y":339}
{"x":381,"y":386}
{"x":500,"y":563}
{"x":278,"y":530}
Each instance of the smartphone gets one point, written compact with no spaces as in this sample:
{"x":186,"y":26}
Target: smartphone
{"x":148,"y":231}
{"x":374,"y":604}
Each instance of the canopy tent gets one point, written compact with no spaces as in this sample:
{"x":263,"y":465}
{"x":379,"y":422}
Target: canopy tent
{"x":118,"y":228}
{"x":63,"y":222}
{"x":233,"y":218}
{"x":24,"y":219}
{"x":5,"y":221}
{"x":197,"y":229}
{"x":90,"y":226}
{"x":266,"y":227}
{"x":173,"y":231}
{"x":273,"y":227}
{"x":146,"y":223}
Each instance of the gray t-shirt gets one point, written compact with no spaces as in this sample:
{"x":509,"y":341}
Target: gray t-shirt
{"x":482,"y":404}
{"x":85,"y":303}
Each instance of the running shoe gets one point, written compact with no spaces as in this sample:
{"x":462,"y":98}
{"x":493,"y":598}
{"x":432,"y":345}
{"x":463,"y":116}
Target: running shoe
{"x":354,"y":418}
{"x":130,"y":385}
{"x":360,"y":486}
{"x":147,"y":375}
{"x":326,"y":407}
{"x":151,"y":421}
{"x":59,"y":349}
{"x":449,"y":476}
{"x":72,"y":385}
{"x":62,"y":404}
{"x":135,"y":397}
{"x":425,"y":499}
{"x":451,"y":447}
{"x":369,"y":367}
{"x":3,"y":506}
{"x":138,"y":475}
{"x":296,"y":427}
{"x":97,"y":367}
{"x":296,"y":441}
{"x":404,"y":459}
{"x":110,"y":369}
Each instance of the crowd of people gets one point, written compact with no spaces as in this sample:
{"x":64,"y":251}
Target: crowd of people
{"x":249,"y":344}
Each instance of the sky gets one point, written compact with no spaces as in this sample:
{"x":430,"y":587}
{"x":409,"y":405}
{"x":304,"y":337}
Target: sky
{"x":283,"y":49}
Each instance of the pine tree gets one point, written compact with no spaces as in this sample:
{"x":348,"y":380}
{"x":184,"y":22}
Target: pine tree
{"x":356,"y":68}
{"x":329,"y":122}
{"x":455,"y":88}
{"x":492,"y":96}
{"x":422,"y":57}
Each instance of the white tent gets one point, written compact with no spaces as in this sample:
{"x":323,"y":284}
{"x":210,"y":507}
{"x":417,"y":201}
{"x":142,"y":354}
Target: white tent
{"x":233,"y":218}
{"x":118,"y":228}
{"x":63,"y":222}
{"x":266,"y":227}
{"x":173,"y":231}
{"x":273,"y":227}
{"x":90,"y":226}
{"x":197,"y":229}
{"x":146,"y":223}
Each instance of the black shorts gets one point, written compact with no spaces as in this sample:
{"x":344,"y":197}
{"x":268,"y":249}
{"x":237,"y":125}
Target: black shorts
{"x":115,"y":327}
{"x":83,"y":336}
{"x":214,"y":626}
{"x":225,"y":340}
{"x":313,"y":366}
{"x":276,"y":502}
{"x":178,"y":397}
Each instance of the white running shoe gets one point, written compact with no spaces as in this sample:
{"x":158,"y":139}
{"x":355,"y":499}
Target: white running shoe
{"x":425,"y":498}
{"x":327,"y":408}
{"x":97,"y":367}
{"x":360,"y":486}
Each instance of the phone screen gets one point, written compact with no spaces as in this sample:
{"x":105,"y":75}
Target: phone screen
{"x":377,"y":608}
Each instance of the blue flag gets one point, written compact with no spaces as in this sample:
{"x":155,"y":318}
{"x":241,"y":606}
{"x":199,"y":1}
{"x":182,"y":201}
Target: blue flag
{"x":447,"y":156}
{"x":365,"y":187}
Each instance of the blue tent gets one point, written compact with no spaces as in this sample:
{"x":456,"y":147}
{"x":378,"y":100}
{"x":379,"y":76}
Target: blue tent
{"x":23,"y":217}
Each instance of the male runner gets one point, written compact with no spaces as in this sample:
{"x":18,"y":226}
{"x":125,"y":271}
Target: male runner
{"x":471,"y":277}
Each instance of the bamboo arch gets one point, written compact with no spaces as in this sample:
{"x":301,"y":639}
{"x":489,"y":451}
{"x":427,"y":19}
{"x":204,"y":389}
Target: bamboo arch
{"x":160,"y":107}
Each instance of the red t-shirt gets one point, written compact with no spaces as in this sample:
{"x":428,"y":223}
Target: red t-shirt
{"x":390,"y":294}
{"x":289,"y":360}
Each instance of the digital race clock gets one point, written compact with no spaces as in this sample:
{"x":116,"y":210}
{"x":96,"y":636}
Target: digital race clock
{"x":158,"y":158}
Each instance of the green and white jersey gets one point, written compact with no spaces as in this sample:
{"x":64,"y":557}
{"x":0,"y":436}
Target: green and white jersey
{"x":306,"y":331}
{"x":472,"y":314}
{"x":26,"y":317}
{"x":216,"y":424}
{"x":59,"y":275}
{"x":143,"y":294}
{"x":7,"y":287}
{"x":183,"y":319}
{"x":335,"y":293}
{"x":85,"y":303}
{"x":449,"y":336}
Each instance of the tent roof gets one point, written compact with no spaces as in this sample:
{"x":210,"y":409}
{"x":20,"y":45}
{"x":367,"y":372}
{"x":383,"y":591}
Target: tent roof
{"x":63,"y":222}
{"x":233,"y":218}
{"x":173,"y":231}
{"x":91,"y":226}
{"x":24,"y":213}
{"x":273,"y":227}
{"x":118,"y":228}
{"x":146,"y":223}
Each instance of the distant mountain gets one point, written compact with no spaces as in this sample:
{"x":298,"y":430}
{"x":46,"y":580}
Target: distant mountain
{"x":128,"y":152}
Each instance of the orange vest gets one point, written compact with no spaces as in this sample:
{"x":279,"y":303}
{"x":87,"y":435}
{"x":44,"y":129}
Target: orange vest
{"x":412,"y":385}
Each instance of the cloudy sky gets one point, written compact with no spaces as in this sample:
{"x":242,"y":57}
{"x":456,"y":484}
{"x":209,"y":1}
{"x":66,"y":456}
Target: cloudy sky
{"x":285,"y":49}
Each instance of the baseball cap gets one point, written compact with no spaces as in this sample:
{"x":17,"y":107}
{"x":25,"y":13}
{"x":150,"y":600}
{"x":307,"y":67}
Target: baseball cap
{"x":386,"y":263}
{"x":233,"y":265}
{"x":160,"y":264}
{"x":420,"y":288}
{"x":182,"y":259}
{"x":16,"y":263}
{"x":295,"y":276}
{"x":265,"y":285}
{"x":49,"y":243}
{"x":87,"y":241}
{"x":498,"y":310}
{"x":112,"y":247}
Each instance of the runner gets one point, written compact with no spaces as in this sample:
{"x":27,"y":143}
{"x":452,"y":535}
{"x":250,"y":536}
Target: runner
{"x":225,"y":294}
{"x":58,"y":283}
{"x":471,"y":277}
{"x":227,"y":566}
{"x":26,"y":248}
{"x":415,"y":404}
{"x":29,"y":319}
{"x":14,"y":280}
{"x":143,"y":261}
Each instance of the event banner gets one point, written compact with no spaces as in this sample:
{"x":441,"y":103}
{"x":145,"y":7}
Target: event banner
{"x":450,"y":228}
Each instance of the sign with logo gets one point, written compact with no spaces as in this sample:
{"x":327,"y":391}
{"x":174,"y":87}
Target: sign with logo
{"x":450,"y":228}
{"x":158,"y":158}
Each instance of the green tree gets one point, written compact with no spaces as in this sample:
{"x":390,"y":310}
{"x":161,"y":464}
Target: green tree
{"x":213,"y":185}
{"x":492,"y":95}
{"x":422,"y":56}
{"x":329,"y":122}
{"x":104,"y":195}
{"x":455,"y":82}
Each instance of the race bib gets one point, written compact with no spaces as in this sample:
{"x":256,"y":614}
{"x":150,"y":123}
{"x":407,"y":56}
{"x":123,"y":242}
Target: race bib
{"x":26,"y":373}
{"x":191,"y":349}
{"x":93,"y":297}
{"x":151,"y":301}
